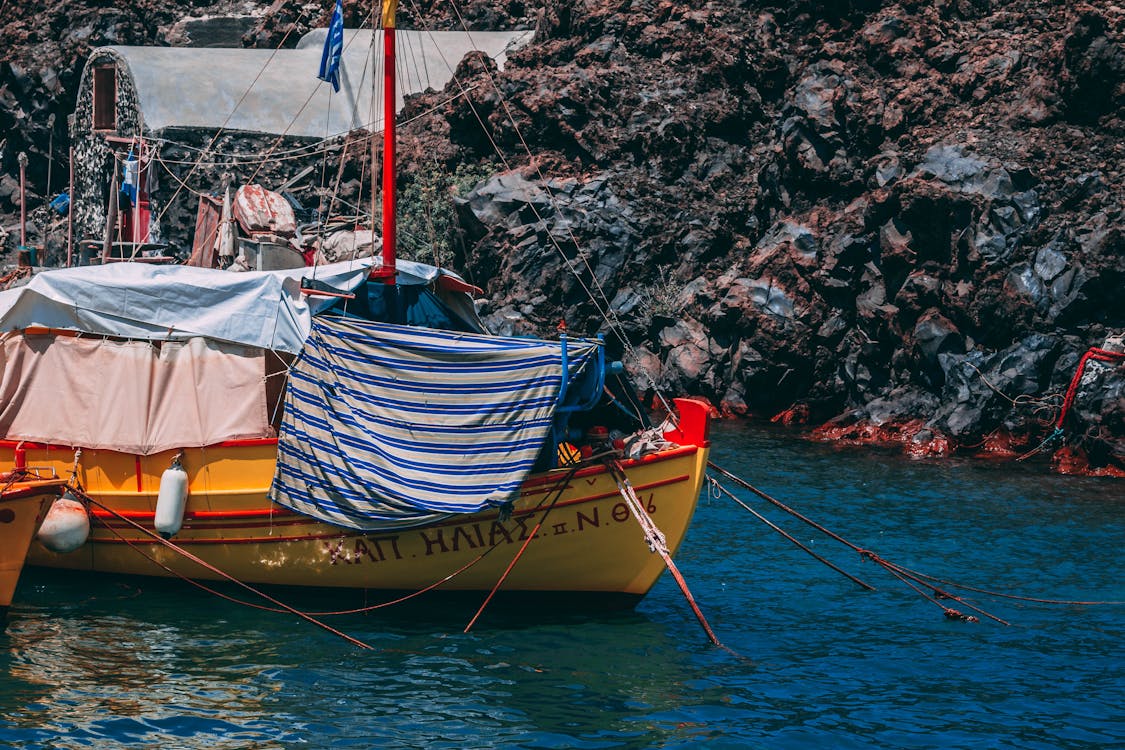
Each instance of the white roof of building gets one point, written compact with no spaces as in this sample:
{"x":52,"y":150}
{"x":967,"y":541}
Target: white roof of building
{"x":277,"y":91}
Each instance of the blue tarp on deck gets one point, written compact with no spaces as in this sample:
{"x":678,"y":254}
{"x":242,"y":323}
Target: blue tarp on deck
{"x":391,"y":426}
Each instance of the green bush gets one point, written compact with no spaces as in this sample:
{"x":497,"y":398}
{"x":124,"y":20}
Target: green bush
{"x":426,"y":218}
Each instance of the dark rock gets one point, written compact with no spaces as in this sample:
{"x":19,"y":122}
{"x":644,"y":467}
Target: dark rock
{"x":935,"y":335}
{"x":819,"y":204}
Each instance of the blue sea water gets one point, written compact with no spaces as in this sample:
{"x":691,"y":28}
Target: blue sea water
{"x":825,"y":664}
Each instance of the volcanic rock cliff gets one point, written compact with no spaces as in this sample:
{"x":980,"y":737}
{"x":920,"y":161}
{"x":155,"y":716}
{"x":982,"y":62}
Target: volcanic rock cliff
{"x":900,"y":221}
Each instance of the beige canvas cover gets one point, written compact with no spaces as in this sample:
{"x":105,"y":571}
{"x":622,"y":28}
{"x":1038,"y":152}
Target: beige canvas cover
{"x":130,"y":396}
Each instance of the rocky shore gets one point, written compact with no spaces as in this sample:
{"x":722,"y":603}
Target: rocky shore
{"x":891,"y":222}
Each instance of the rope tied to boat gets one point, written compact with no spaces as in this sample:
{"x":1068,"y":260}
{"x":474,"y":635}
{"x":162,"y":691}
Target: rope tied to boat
{"x":717,"y":490}
{"x":557,"y":490}
{"x":658,"y":543}
{"x":76,"y":489}
{"x":914,"y":579}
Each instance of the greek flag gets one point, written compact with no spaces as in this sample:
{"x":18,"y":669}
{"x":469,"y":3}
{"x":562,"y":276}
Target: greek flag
{"x":393,"y":426}
{"x":333,"y":48}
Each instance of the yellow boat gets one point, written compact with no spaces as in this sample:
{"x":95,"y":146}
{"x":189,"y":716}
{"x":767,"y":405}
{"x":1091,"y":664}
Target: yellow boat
{"x":580,"y":534}
{"x":24,"y":501}
{"x":346,"y":426}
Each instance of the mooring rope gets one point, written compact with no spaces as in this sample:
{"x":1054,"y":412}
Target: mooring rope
{"x":78,"y":492}
{"x":901,"y":573}
{"x":1093,"y":353}
{"x":235,"y":600}
{"x":1016,"y":597}
{"x":723,"y":490}
{"x":658,"y":543}
{"x":904,"y":574}
{"x":560,"y":486}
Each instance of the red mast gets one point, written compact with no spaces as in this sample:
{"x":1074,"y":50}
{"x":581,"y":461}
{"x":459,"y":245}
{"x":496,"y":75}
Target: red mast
{"x":387,"y":272}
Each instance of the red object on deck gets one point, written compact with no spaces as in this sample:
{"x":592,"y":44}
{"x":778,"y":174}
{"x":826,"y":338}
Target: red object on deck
{"x":694,"y":427}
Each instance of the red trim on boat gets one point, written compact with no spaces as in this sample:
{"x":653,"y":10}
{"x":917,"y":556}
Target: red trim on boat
{"x":594,"y":470}
{"x":242,"y":540}
{"x":18,"y":493}
{"x":244,"y":443}
{"x":201,"y":515}
{"x":296,"y":519}
{"x":238,"y":443}
{"x":253,"y":442}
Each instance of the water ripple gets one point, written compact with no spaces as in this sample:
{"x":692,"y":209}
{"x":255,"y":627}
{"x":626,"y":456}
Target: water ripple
{"x":108,"y":663}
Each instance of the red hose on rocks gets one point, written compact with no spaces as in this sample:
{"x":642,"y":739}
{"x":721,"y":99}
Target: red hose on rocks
{"x":1101,"y":355}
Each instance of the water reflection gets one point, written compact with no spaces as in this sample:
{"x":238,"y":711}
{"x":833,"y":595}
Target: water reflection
{"x":98,"y":677}
{"x":166,"y":664}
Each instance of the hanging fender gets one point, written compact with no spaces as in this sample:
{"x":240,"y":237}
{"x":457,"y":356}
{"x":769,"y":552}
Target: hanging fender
{"x":66,"y":526}
{"x":171,"y":500}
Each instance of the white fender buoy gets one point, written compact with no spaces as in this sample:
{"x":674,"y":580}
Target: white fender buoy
{"x":171,"y":500}
{"x":66,"y":527}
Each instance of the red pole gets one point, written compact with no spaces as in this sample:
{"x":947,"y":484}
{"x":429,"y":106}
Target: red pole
{"x":387,"y":272}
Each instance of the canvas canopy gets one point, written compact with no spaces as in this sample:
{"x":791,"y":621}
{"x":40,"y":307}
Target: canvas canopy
{"x":130,"y":396}
{"x":263,"y":309}
{"x":389,"y":426}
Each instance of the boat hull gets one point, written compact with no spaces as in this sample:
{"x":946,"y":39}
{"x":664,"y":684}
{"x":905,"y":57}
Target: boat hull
{"x":580,"y":535}
{"x":23,"y":505}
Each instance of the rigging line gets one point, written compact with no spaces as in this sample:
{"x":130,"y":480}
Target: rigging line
{"x":948,"y":611}
{"x":324,"y":213}
{"x":903,"y":575}
{"x":715,"y":484}
{"x":360,"y":212}
{"x":657,"y":543}
{"x":297,"y":152}
{"x":378,"y":100}
{"x":508,"y":166}
{"x":869,"y":555}
{"x":864,"y":553}
{"x":281,"y":136}
{"x":986,"y":592}
{"x":182,"y":184}
{"x":222,"y":127}
{"x":515,"y":127}
{"x":357,"y":611}
{"x":207,"y":566}
{"x":323,"y":179}
{"x":237,"y":160}
{"x":251,"y":605}
{"x":421,"y":72}
{"x":367,"y":61}
{"x":560,"y":487}
{"x":608,"y":314}
{"x":747,"y":486}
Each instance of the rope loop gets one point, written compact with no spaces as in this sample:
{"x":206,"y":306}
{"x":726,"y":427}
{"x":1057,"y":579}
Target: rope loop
{"x":953,"y":614}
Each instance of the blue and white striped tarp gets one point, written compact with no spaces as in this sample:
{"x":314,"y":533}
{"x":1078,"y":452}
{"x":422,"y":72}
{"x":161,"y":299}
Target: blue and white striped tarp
{"x":391,"y":426}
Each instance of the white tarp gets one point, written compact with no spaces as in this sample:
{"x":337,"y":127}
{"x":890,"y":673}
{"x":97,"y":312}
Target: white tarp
{"x":159,"y":303}
{"x":130,"y":396}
